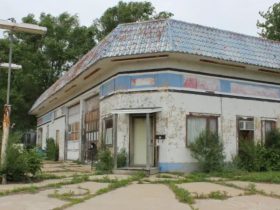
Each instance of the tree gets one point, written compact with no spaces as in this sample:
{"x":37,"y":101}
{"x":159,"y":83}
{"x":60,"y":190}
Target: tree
{"x":43,"y":59}
{"x":270,"y":27}
{"x":126,"y":13}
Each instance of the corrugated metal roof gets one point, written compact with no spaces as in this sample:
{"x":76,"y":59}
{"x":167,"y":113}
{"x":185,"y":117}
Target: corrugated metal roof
{"x":174,"y":36}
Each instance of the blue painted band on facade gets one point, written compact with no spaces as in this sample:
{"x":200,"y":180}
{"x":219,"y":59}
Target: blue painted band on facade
{"x":189,"y":82}
{"x":167,"y":167}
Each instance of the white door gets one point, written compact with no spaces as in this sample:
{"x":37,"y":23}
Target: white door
{"x":140,"y":142}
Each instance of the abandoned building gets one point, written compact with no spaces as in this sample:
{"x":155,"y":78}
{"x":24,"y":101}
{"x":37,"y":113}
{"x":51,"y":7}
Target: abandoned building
{"x":152,"y":87}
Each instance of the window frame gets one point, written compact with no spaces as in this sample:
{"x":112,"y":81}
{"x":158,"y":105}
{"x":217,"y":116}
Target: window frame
{"x":91,"y":125}
{"x":263,"y":125}
{"x":74,"y":127}
{"x":208,"y":117}
{"x":104,"y":130}
{"x":74,"y":130}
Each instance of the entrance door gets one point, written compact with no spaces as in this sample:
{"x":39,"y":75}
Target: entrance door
{"x":139,"y":142}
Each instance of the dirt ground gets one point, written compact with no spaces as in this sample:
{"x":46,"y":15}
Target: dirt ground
{"x":77,"y":187}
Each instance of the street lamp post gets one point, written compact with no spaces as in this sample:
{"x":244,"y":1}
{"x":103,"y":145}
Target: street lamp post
{"x":13,"y":27}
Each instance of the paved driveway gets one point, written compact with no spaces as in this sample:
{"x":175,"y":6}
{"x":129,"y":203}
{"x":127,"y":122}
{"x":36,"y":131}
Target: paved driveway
{"x":97,"y":192}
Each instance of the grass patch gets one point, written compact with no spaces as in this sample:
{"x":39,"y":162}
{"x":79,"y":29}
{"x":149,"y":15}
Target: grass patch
{"x":181,"y":194}
{"x":29,"y":189}
{"x":69,"y":196}
{"x":35,"y":189}
{"x":45,"y":176}
{"x":267,"y":176}
{"x":196,"y":177}
{"x":165,"y":176}
{"x":217,"y":195}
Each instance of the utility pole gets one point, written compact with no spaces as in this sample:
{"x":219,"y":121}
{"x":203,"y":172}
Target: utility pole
{"x":13,"y":27}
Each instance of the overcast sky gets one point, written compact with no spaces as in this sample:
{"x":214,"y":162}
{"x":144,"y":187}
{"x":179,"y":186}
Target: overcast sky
{"x":235,"y":15}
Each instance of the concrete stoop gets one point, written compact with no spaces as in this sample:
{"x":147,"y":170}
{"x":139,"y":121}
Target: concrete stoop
{"x":135,"y":170}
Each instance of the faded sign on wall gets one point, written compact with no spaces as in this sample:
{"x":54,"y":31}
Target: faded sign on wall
{"x":190,"y":81}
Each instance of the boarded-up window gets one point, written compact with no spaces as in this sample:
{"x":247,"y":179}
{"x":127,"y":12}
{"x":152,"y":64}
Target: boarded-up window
{"x":197,"y":124}
{"x":74,"y":123}
{"x":92,"y":119}
{"x":267,"y":126}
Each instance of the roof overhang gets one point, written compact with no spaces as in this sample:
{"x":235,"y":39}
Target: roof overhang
{"x":146,"y":110}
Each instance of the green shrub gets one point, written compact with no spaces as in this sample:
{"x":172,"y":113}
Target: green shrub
{"x":208,"y":150}
{"x":105,"y":161}
{"x":15,"y":166}
{"x":272,"y":139}
{"x":51,"y":150}
{"x":21,"y":163}
{"x":122,"y":156}
{"x":250,"y":155}
{"x":257,"y":157}
{"x":272,"y":145}
{"x":270,"y":159}
{"x":34,"y":161}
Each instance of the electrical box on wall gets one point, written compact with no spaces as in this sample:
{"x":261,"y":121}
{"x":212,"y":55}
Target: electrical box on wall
{"x":160,"y":136}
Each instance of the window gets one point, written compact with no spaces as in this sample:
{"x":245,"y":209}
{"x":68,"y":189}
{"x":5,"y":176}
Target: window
{"x":48,"y":132}
{"x":74,"y":131}
{"x":74,"y":128}
{"x":91,"y":119}
{"x":92,"y":125}
{"x":108,"y":131}
{"x":39,"y":137}
{"x":267,"y":126}
{"x":246,"y":129}
{"x":198,"y":124}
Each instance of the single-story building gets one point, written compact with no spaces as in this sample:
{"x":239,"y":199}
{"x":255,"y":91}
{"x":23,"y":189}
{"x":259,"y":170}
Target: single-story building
{"x":152,"y":87}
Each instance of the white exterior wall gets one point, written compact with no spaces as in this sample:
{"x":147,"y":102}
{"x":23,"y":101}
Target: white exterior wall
{"x":174,"y":155}
{"x":53,"y":126}
{"x":58,"y":125}
{"x":175,"y":106}
{"x":44,"y":134}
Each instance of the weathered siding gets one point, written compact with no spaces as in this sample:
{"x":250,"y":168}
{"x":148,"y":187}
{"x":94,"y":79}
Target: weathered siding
{"x":174,"y":155}
{"x":49,"y":130}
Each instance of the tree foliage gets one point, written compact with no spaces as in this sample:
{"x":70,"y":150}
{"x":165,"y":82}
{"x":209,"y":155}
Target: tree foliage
{"x":44,"y":58}
{"x":126,"y":13}
{"x":270,"y":27}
